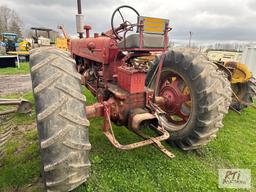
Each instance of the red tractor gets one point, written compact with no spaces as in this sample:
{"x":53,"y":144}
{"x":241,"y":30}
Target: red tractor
{"x":182,"y":96}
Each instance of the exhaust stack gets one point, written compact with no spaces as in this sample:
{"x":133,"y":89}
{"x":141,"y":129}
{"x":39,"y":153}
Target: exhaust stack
{"x":79,"y":19}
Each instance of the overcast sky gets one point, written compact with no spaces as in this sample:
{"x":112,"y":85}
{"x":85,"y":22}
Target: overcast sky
{"x":207,"y":19}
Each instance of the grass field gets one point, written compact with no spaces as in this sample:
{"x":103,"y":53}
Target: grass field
{"x":24,"y":69}
{"x":144,"y":169}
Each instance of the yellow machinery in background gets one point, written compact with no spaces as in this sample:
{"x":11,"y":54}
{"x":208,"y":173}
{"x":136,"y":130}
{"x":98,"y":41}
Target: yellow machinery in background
{"x":24,"y":45}
{"x":13,"y":50}
{"x":62,"y":42}
{"x":243,"y":84}
{"x":22,"y":52}
{"x":48,"y":37}
{"x":240,"y":73}
{"x":12,"y":42}
{"x":224,"y":56}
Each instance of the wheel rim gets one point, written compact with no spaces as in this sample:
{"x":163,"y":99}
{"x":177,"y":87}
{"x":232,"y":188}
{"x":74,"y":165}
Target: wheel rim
{"x":178,"y":103}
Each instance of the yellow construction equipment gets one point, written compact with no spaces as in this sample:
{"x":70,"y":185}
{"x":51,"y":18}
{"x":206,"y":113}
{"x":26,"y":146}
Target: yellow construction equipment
{"x":240,"y":72}
{"x":62,"y":42}
{"x":24,"y":45}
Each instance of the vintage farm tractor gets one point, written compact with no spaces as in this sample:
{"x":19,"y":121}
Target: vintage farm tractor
{"x":183,"y":97}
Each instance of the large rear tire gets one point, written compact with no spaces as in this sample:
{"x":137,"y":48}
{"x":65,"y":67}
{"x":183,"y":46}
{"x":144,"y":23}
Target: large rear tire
{"x":210,"y":97}
{"x":61,"y":121}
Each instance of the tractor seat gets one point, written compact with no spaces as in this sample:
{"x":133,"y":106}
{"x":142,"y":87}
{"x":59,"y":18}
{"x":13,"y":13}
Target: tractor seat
{"x":148,"y":41}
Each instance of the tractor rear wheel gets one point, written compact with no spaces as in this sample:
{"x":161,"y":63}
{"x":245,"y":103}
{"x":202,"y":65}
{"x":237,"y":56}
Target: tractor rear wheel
{"x":61,"y":121}
{"x":199,"y":98}
{"x":246,"y":92}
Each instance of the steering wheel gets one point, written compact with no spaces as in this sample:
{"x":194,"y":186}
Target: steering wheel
{"x":126,"y":25}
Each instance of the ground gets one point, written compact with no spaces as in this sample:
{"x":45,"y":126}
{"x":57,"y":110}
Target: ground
{"x":143,"y":169}
{"x":14,"y":80}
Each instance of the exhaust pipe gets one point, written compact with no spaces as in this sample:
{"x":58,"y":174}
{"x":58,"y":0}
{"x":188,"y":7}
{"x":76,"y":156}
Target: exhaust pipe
{"x":79,"y":19}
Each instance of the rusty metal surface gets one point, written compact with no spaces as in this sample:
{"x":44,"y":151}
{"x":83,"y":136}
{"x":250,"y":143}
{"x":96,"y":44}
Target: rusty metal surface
{"x":95,"y":110}
{"x":157,"y":144}
{"x":242,"y":102}
{"x":108,"y":131}
{"x":23,"y":106}
{"x":224,"y":69}
{"x":121,"y":77}
{"x":159,"y":68}
{"x":137,"y":119}
{"x":10,"y":101}
{"x":111,"y":137}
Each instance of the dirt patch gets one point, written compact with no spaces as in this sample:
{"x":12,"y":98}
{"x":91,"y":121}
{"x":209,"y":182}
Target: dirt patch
{"x":15,"y":84}
{"x":26,"y":128}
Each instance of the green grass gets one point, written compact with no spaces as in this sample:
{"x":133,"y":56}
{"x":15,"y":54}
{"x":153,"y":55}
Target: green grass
{"x":143,"y":169}
{"x":24,"y":69}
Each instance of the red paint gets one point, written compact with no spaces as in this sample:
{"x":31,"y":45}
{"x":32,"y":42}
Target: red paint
{"x":174,"y":98}
{"x":100,"y":53}
{"x":131,"y":80}
{"x":87,"y":30}
{"x":114,"y":68}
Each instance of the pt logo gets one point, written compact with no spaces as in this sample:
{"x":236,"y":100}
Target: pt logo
{"x":234,"y":178}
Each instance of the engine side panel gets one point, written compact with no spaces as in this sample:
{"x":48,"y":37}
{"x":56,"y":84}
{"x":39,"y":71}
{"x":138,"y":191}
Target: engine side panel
{"x":95,"y":49}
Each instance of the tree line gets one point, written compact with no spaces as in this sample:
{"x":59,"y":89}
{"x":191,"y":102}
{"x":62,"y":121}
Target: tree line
{"x":10,"y":21}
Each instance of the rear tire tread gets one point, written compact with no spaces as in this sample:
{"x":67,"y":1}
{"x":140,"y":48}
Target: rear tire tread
{"x":212,"y":91}
{"x":61,"y":120}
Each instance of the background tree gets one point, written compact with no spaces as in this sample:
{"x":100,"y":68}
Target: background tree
{"x":10,"y":21}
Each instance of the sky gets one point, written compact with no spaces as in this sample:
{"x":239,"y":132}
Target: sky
{"x":206,"y":19}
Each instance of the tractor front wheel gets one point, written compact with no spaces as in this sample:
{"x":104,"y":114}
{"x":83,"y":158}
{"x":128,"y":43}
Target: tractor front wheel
{"x":197,"y":97}
{"x":61,"y":120}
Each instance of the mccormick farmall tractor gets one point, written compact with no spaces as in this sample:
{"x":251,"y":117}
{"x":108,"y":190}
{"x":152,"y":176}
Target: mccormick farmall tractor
{"x":183,"y":97}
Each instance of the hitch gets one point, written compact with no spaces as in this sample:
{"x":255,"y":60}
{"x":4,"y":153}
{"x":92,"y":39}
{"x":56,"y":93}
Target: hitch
{"x":156,"y":141}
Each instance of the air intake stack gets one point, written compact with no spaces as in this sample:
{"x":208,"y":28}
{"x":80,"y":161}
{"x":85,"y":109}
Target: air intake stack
{"x":79,"y":19}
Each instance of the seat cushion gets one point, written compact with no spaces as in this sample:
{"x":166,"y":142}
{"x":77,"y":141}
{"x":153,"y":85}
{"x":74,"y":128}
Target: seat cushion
{"x":148,"y":41}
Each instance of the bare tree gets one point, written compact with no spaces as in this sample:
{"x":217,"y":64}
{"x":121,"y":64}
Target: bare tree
{"x":10,"y":21}
{"x":15,"y":25}
{"x":4,"y":15}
